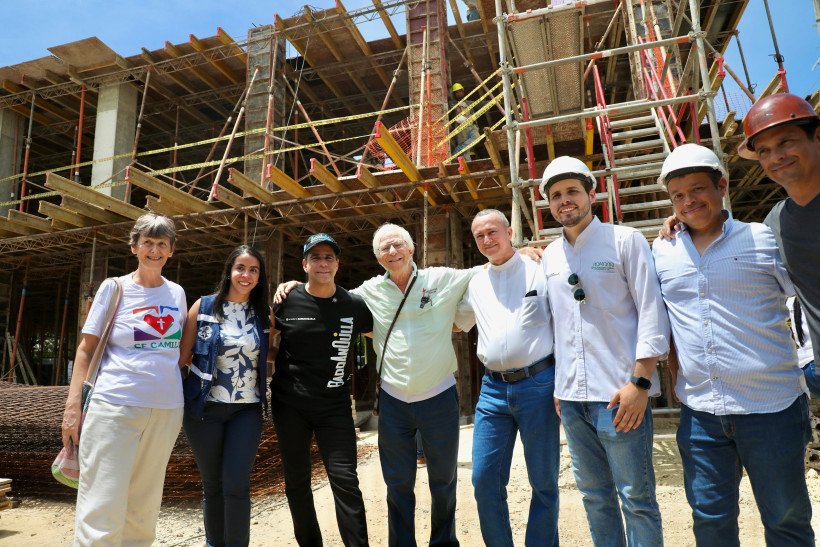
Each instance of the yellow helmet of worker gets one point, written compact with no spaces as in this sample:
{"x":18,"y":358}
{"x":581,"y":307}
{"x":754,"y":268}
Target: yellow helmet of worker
{"x":457,"y":87}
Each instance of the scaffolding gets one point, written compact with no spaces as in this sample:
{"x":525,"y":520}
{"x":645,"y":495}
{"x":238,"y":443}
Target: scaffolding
{"x":633,"y":130}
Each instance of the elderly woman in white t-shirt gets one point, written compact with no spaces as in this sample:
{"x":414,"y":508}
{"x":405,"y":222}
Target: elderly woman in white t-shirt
{"x":136,"y":409}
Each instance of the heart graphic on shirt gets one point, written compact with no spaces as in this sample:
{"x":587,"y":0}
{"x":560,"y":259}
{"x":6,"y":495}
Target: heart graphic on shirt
{"x":160,"y":324}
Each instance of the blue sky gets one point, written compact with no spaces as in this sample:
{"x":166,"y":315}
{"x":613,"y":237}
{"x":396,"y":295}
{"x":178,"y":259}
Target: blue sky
{"x":127,"y":25}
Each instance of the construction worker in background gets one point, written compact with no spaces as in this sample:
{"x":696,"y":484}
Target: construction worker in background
{"x":462,"y":111}
{"x":736,"y":371}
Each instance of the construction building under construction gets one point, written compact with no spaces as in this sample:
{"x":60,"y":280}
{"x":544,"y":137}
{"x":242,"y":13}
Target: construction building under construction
{"x":306,"y":126}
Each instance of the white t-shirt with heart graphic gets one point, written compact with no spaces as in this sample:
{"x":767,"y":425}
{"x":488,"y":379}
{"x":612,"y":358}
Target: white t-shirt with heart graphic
{"x":140,"y":363}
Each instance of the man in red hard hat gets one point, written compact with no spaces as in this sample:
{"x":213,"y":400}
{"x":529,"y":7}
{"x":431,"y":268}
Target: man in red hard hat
{"x":783,"y":134}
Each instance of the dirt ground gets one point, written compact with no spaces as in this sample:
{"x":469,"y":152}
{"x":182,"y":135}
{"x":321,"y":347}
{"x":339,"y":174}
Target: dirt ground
{"x":38,"y":523}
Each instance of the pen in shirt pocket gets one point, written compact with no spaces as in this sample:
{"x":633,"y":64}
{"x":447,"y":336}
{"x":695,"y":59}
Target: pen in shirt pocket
{"x":531,"y":293}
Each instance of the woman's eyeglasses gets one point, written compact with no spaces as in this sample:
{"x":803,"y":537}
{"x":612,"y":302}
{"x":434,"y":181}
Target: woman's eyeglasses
{"x":578,"y":293}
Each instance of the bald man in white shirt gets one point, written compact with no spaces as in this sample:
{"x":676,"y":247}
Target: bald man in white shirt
{"x":611,"y":329}
{"x":508,"y":301}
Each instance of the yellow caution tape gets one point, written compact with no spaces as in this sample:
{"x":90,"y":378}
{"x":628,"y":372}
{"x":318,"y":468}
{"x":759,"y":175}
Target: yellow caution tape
{"x":463,"y":125}
{"x":212,"y":140}
{"x":493,"y":127}
{"x":467,"y":96}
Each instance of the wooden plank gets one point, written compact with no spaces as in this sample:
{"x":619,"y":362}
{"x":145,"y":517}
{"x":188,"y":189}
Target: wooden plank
{"x":231,"y":199}
{"x":161,"y":207}
{"x":30,"y":221}
{"x":471,"y":183}
{"x":99,"y":214}
{"x":388,"y":24}
{"x":327,"y":178}
{"x":89,"y":195}
{"x":65,"y":216}
{"x":17,"y":229}
{"x":491,"y":144}
{"x":183,"y":201}
{"x":401,"y":159}
{"x":241,"y":182}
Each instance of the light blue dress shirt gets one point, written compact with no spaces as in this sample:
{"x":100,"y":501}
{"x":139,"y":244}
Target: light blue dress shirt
{"x":728,"y":313}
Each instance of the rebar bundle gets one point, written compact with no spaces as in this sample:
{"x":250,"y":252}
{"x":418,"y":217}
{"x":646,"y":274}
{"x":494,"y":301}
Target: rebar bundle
{"x":30,"y":422}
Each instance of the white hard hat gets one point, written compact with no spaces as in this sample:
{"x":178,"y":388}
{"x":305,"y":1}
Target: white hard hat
{"x":565,"y":167}
{"x":690,"y":158}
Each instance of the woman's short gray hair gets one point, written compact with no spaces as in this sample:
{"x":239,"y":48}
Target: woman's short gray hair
{"x":390,"y":229}
{"x":153,"y":225}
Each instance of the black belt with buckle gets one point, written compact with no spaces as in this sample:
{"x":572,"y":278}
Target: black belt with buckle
{"x":511,"y":376}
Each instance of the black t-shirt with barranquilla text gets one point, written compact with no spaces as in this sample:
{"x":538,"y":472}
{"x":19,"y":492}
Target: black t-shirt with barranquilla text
{"x":317,"y":335}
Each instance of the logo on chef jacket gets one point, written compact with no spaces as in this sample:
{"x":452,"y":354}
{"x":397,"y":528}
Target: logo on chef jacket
{"x":158,"y":328}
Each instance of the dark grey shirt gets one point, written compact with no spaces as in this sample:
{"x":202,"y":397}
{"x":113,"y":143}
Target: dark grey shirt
{"x":797,"y":230}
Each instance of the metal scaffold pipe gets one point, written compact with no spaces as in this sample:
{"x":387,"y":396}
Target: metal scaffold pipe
{"x":706,"y":84}
{"x":515,"y":214}
{"x":595,"y":55}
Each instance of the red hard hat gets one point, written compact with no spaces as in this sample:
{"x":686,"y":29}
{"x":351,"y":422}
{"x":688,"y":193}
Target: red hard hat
{"x":771,"y":111}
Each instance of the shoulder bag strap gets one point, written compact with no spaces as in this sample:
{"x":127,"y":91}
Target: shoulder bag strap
{"x":110,"y":315}
{"x":393,"y":324}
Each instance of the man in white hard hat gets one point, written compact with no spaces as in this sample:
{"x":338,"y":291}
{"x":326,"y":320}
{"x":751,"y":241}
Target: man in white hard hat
{"x":605,"y":296}
{"x":742,"y":392}
{"x":508,"y":301}
{"x":783,"y":134}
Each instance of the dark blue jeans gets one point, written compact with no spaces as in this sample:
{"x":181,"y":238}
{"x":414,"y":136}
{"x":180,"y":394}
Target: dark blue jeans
{"x":812,"y":378}
{"x":437,"y":420}
{"x":224,"y":441}
{"x":504,"y":410}
{"x":716,"y":449}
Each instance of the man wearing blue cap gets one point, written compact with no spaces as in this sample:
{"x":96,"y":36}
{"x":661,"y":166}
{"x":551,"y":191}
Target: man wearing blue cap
{"x":319,"y":323}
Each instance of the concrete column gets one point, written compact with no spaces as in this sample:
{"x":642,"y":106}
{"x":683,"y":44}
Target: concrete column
{"x":12,"y":145}
{"x":261,"y":43}
{"x":114,"y":135}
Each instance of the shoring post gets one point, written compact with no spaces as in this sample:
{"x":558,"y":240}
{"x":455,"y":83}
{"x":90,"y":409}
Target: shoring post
{"x":515,"y":214}
{"x":19,"y":325}
{"x":384,"y":106}
{"x":90,"y":297}
{"x":58,"y":369}
{"x":274,"y":57}
{"x":313,"y":129}
{"x":295,"y":160}
{"x":781,"y":70}
{"x":127,"y":198}
{"x":201,"y":173}
{"x":706,"y":84}
{"x":174,"y":151}
{"x":27,"y":154}
{"x":535,"y":193}
{"x":78,"y":156}
{"x":417,"y":159}
{"x":215,"y":185}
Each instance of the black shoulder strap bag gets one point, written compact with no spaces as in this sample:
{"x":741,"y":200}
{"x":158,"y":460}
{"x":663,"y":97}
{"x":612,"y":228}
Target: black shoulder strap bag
{"x":384,"y":348}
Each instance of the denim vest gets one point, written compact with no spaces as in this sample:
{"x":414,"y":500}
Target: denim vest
{"x":206,"y":349}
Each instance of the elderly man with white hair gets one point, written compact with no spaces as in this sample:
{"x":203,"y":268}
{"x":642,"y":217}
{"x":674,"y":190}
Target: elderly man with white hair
{"x":413,"y":315}
{"x":418,"y":390}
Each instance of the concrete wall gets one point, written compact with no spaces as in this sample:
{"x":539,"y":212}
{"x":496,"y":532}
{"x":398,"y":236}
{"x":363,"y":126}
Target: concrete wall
{"x":12,"y":144}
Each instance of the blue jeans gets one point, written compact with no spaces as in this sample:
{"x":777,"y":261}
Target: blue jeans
{"x":812,"y":378}
{"x":437,"y":420}
{"x":224,"y":441}
{"x":503,"y":410}
{"x":715,"y":450}
{"x":608,"y":465}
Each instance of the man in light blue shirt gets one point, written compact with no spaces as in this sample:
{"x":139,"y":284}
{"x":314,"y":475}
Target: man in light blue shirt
{"x":743,"y":398}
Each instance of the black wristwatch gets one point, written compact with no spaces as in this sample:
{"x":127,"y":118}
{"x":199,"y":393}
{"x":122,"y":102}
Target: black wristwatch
{"x":641,"y":382}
